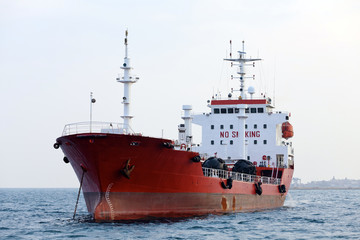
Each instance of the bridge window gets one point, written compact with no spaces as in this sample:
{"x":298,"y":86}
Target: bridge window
{"x":246,"y":110}
{"x":212,"y":142}
{"x":248,"y":158}
{"x":216,"y":111}
{"x":221,"y":126}
{"x":245,"y":126}
{"x":255,"y":141}
{"x":231,"y":142}
{"x":236,"y":110}
{"x":230,"y":110}
{"x":265,"y":141}
{"x":223,"y":110}
{"x":260,"y":110}
{"x":231,"y":126}
{"x":255,"y":126}
{"x":212,"y":126}
{"x":253,"y":110}
{"x":265,"y":126}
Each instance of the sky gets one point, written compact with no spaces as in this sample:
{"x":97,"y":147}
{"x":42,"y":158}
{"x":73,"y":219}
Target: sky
{"x":54,"y":53}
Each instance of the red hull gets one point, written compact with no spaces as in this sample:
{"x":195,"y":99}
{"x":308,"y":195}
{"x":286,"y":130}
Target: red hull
{"x":164,"y":182}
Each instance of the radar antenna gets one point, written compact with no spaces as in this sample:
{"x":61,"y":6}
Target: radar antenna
{"x":241,"y":62}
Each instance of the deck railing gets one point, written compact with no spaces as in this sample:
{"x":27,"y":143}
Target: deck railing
{"x":243,"y":177}
{"x":95,"y":127}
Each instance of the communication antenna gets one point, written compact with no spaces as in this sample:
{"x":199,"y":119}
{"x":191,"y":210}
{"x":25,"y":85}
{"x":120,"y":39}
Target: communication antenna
{"x":230,"y":49}
{"x":92,"y":100}
{"x":241,"y":62}
{"x":274,"y":81}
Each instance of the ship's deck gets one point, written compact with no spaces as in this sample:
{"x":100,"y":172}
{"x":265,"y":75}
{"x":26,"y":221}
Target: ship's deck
{"x":243,"y":177}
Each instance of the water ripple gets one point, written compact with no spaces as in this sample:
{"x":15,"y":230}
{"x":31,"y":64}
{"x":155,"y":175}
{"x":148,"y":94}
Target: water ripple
{"x":310,"y":214}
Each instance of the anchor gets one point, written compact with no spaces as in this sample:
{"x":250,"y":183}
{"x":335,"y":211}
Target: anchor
{"x":127,"y":169}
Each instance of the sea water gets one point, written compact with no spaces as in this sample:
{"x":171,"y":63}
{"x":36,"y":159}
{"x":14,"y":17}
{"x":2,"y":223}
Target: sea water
{"x":307,"y":214}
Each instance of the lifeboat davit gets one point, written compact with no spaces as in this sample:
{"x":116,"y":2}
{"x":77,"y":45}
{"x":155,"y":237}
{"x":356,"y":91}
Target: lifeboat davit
{"x":287,"y":130}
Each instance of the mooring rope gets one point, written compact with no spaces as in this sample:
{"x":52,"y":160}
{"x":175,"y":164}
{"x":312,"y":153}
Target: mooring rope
{"x":77,"y":201}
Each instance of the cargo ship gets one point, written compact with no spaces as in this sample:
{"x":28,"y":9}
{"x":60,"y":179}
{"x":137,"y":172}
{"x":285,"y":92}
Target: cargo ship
{"x":245,"y":161}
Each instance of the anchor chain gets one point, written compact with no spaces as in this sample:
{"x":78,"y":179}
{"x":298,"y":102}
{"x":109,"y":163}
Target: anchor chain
{"x":81,"y":182}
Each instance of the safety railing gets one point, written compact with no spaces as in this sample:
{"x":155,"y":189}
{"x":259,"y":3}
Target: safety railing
{"x":243,"y":177}
{"x":96,"y":127}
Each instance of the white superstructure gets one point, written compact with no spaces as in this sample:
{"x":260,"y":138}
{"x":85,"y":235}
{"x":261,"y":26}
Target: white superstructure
{"x":242,"y":128}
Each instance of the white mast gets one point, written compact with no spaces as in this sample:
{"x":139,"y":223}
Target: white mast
{"x":242,"y":119}
{"x":241,"y":64}
{"x":127,"y":80}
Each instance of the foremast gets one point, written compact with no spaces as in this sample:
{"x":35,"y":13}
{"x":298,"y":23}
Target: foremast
{"x":127,"y":80}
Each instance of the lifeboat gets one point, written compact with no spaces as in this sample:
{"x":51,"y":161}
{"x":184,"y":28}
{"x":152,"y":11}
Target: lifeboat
{"x":287,"y":130}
